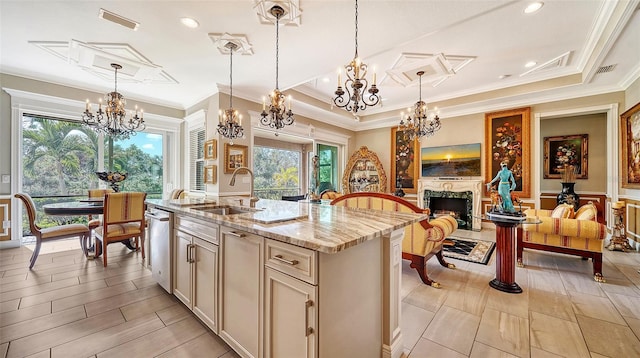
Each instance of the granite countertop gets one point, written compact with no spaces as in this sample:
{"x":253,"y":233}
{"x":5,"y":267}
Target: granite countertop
{"x":323,"y":228}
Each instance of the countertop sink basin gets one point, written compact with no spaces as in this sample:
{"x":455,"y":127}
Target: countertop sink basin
{"x":224,"y":210}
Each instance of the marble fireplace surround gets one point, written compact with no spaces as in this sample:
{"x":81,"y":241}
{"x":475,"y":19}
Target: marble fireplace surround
{"x":455,"y":185}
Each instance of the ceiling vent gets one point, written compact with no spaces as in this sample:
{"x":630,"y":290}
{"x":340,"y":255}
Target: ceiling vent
{"x":605,"y":69}
{"x":115,"y":18}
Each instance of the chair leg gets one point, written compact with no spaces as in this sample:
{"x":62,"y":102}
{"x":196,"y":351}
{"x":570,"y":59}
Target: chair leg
{"x":444,"y":263}
{"x":420,"y":264}
{"x":597,"y":268}
{"x":142,"y":246}
{"x":34,"y":256}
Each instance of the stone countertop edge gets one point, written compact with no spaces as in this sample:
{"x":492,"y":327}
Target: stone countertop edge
{"x":322,"y":228}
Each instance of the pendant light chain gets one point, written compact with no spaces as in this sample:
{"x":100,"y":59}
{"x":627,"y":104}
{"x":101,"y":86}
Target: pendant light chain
{"x":356,"y":29}
{"x":277,"y":47}
{"x":231,"y":76}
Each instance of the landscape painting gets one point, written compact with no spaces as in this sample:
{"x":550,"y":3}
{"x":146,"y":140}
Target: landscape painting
{"x":451,"y":161}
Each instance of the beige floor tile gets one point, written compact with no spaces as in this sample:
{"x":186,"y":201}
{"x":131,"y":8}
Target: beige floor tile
{"x":413,"y":324}
{"x":11,"y":305}
{"x":64,"y":333}
{"x":44,"y":354}
{"x":478,"y":279}
{"x":144,"y":282}
{"x":454,"y":329}
{"x":634,"y":324}
{"x":108,"y":338}
{"x":627,"y":305}
{"x":469,"y":299}
{"x":158,"y":342}
{"x":427,"y":297}
{"x":515,"y":304}
{"x":31,"y":281}
{"x":631,"y":273}
{"x":36,"y":290}
{"x":580,"y":282}
{"x":173,"y":314}
{"x":61,"y":293}
{"x":207,"y":342}
{"x":101,"y":293}
{"x":230,"y":354}
{"x":609,"y":339}
{"x":622,"y":286}
{"x":595,"y":307}
{"x":557,"y":336}
{"x":128,"y":276}
{"x":146,"y":306}
{"x":480,"y":350}
{"x":539,"y":353}
{"x":36,"y":325}
{"x":426,"y":348}
{"x":551,"y":304}
{"x":3,"y":349}
{"x":24,"y":314}
{"x":126,"y":297}
{"x":596,"y":355}
{"x":505,"y":332}
{"x":11,"y":279}
{"x":545,"y":280}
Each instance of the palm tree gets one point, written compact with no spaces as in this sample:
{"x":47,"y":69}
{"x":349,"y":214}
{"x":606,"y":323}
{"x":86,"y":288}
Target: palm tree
{"x":286,"y":176}
{"x":54,"y":147}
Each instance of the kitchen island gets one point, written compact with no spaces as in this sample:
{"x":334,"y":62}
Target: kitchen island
{"x":289,"y":279}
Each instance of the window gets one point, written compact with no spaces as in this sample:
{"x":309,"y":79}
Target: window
{"x":277,"y":172}
{"x":141,"y":158}
{"x":196,"y":159}
{"x":328,"y":155}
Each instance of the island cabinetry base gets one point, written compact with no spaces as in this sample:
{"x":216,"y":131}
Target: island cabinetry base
{"x":196,"y":273}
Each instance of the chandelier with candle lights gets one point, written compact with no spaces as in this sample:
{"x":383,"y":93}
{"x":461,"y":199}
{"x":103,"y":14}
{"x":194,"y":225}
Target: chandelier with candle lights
{"x":230,"y":122}
{"x":276,"y":115}
{"x":356,"y":84}
{"x":422,"y":124}
{"x":113,"y":119}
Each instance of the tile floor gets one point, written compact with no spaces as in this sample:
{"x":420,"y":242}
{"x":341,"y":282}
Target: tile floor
{"x":72,"y":307}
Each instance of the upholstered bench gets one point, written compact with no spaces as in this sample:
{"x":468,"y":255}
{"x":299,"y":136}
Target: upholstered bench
{"x":580,"y":234}
{"x":421,"y":241}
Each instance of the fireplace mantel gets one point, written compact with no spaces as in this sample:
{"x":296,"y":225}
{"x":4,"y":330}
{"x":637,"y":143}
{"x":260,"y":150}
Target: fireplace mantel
{"x":455,"y":185}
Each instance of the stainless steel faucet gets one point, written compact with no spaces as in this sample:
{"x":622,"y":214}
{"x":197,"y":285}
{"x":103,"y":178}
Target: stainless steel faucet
{"x":232,"y":182}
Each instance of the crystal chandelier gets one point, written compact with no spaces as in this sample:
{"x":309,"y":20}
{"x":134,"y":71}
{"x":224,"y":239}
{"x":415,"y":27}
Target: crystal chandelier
{"x":356,"y":84}
{"x":113,"y":120}
{"x":421,"y":124}
{"x":230,"y":123}
{"x":277,"y":116}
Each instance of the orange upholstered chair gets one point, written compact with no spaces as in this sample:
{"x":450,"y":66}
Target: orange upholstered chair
{"x":50,"y":233}
{"x":95,"y":194}
{"x":123,"y":218}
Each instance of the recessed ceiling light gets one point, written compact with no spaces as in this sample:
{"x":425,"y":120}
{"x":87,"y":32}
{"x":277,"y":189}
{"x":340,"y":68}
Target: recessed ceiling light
{"x":530,"y":64}
{"x":189,"y":22}
{"x":325,"y":79}
{"x":503,"y":76}
{"x":533,"y":7}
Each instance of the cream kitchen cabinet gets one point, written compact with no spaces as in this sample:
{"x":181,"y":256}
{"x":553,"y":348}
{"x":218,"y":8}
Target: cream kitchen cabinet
{"x":196,"y":256}
{"x":241,"y":291}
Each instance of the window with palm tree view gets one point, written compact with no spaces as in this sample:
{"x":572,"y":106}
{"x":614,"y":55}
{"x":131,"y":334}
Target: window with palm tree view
{"x":276,"y":171}
{"x":60,"y":159}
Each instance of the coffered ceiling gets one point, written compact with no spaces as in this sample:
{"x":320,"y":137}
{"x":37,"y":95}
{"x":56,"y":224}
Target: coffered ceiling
{"x":473,"y":52}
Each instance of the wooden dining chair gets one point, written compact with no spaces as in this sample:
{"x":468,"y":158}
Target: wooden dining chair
{"x":94,"y":194}
{"x":122,"y":219}
{"x":51,"y":233}
{"x":176,"y":193}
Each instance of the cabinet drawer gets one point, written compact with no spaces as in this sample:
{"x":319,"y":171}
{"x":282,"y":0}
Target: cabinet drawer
{"x":293,"y":260}
{"x":202,"y":229}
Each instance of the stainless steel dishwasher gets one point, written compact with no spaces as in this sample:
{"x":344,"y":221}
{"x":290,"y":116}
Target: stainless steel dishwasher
{"x":160,"y":228}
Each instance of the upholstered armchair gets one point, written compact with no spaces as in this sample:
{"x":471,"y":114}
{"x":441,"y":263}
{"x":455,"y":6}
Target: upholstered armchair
{"x":560,"y":231}
{"x":421,"y":241}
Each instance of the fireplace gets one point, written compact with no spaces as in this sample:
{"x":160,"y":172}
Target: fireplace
{"x":459,"y":198}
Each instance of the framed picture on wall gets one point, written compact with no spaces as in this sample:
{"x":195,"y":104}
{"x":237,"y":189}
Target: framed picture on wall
{"x":405,"y":163}
{"x":630,"y":132}
{"x":507,"y":139}
{"x":235,"y":156}
{"x":210,"y":174}
{"x":210,"y":149}
{"x":569,"y":150}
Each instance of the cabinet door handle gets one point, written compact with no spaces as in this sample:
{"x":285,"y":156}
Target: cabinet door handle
{"x":193,"y":253}
{"x":288,"y":262}
{"x":308,"y":330}
{"x":233,"y":233}
{"x":188,"y":253}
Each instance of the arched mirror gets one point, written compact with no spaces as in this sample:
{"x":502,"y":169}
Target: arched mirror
{"x":364,"y":172}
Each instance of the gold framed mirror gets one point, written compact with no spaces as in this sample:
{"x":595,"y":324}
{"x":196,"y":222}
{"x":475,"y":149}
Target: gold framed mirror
{"x":364,"y":172}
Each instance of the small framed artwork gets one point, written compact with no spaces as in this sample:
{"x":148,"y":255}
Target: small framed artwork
{"x":210,"y":174}
{"x":235,"y":156}
{"x":629,"y":130}
{"x":405,"y":154}
{"x":210,"y":149}
{"x":562,"y":151}
{"x":507,"y":140}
